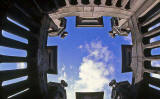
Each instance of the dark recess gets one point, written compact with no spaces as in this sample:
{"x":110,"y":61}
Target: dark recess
{"x":128,"y":5}
{"x":61,"y":3}
{"x":108,"y":2}
{"x":118,"y":4}
{"x":85,"y":1}
{"x":73,"y":2}
{"x":97,"y":2}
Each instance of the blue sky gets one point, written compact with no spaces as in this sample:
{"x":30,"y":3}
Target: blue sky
{"x":88,"y":58}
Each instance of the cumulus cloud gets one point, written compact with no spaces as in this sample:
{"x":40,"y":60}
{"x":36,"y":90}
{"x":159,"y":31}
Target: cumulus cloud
{"x":95,"y":71}
{"x":21,"y":66}
{"x":94,"y":68}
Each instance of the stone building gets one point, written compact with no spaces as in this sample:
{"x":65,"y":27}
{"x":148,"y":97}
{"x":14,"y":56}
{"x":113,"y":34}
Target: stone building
{"x":45,"y":18}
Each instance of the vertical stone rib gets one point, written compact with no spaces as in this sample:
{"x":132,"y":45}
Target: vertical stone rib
{"x":67,"y":3}
{"x":152,"y":19}
{"x":12,"y":74}
{"x":154,"y":81}
{"x":124,"y":3}
{"x":152,"y":32}
{"x":114,"y":2}
{"x":8,"y":59}
{"x":13,"y":43}
{"x":153,"y":45}
{"x":103,"y":2}
{"x":91,"y":2}
{"x":153,"y":58}
{"x":16,"y":87}
{"x":154,"y":70}
{"x":79,"y":2}
{"x":16,"y":30}
{"x":148,"y":5}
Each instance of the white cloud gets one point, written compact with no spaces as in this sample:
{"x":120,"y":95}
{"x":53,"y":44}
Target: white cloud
{"x":94,"y":68}
{"x":81,"y":46}
{"x":63,"y":75}
{"x":156,"y":64}
{"x":63,"y":68}
{"x":153,"y":40}
{"x":92,"y":76}
{"x":156,"y":75}
{"x":21,"y":66}
{"x":111,"y":69}
{"x":94,"y":72}
{"x":71,"y":67}
{"x":98,"y":52}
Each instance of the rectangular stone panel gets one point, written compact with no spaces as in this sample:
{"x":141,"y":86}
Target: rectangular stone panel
{"x":126,"y":58}
{"x":52,"y":54}
{"x":89,"y":95}
{"x":89,"y":22}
